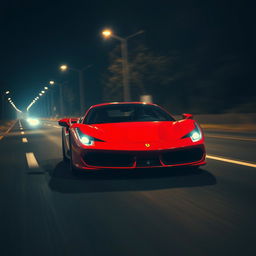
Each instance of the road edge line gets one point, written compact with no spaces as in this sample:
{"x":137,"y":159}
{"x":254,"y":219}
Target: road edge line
{"x":8,"y":130}
{"x":227,"y":160}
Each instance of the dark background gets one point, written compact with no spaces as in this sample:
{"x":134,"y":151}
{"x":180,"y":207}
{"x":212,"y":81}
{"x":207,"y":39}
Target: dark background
{"x":213,"y":39}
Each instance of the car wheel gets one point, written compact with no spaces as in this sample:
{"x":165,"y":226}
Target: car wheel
{"x":65,"y":159}
{"x":73,"y":169}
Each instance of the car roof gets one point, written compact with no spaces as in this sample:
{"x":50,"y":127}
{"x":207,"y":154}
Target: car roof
{"x":122,"y":103}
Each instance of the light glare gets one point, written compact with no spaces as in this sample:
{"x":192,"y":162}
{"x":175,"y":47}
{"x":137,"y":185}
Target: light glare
{"x":63,"y":67}
{"x":33,"y":121}
{"x":107,"y":33}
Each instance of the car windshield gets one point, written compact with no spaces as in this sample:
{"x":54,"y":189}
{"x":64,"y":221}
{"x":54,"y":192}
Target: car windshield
{"x":126,"y":113}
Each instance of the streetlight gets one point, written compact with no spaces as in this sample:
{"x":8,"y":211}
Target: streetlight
{"x":51,"y":99}
{"x":81,"y":83}
{"x":3,"y":101}
{"x":63,"y":68}
{"x":60,"y":93}
{"x":107,"y":33}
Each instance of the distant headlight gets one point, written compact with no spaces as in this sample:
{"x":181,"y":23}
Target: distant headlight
{"x":86,"y":139}
{"x":33,"y":121}
{"x":194,"y":135}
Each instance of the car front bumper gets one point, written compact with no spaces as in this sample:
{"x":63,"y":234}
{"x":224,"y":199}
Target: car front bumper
{"x":94,"y":159}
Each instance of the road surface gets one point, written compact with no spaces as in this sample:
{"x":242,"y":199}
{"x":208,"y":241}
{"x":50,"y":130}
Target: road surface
{"x":45,"y":210}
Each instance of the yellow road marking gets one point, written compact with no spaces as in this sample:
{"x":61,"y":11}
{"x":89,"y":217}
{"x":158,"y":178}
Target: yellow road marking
{"x":2,"y":136}
{"x":231,"y":161}
{"x":230,"y":137}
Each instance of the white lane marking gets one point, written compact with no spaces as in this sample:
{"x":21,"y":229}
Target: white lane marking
{"x":31,"y":160}
{"x":22,"y":132}
{"x":56,"y":126}
{"x":231,"y":161}
{"x":230,"y":137}
{"x":24,"y":140}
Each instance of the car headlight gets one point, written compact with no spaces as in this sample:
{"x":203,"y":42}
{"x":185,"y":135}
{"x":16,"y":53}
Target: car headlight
{"x":33,"y":121}
{"x":194,"y":135}
{"x":86,"y":139}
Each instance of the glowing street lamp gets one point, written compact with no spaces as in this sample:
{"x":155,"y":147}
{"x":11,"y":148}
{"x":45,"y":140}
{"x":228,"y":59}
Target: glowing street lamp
{"x":3,"y":102}
{"x":61,"y":103}
{"x":107,"y":33}
{"x":63,"y":68}
{"x":46,"y":88}
{"x":81,"y":83}
{"x":51,"y":98}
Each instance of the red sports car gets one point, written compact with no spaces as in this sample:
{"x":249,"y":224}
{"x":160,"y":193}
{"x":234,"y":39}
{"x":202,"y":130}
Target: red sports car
{"x":128,"y":135}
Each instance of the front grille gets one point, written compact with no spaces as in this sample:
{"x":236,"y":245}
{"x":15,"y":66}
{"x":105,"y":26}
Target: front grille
{"x":143,"y":158}
{"x":182,"y":156}
{"x":109,"y":159}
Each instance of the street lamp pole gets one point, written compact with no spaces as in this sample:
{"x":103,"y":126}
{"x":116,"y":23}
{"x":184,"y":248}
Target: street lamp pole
{"x":61,"y":99}
{"x":3,"y":102}
{"x":81,"y":83}
{"x":127,"y":95}
{"x":125,"y":64}
{"x":61,"y":103}
{"x":81,"y":91}
{"x":51,"y":99}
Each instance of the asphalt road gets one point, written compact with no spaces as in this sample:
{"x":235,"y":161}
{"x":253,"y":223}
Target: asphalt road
{"x":45,"y":210}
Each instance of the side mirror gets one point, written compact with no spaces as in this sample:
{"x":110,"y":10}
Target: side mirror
{"x":64,"y":122}
{"x":73,"y":120}
{"x":187,"y":116}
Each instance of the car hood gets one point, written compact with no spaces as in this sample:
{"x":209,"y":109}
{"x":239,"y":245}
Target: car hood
{"x":139,"y":132}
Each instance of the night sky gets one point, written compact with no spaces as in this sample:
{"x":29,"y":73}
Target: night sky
{"x":38,"y":36}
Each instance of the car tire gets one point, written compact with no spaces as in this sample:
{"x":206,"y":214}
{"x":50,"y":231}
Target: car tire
{"x":73,"y":169}
{"x":65,"y":159}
